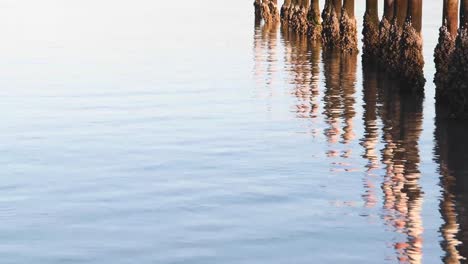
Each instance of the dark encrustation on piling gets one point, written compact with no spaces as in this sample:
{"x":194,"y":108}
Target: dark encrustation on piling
{"x":314,"y":30}
{"x":299,"y":21}
{"x":392,"y":50}
{"x":443,"y":54}
{"x":348,"y":28}
{"x":371,"y":42}
{"x":456,"y":89}
{"x":412,"y":59}
{"x":384,"y":31}
{"x":266,"y":10}
{"x":331,"y":24}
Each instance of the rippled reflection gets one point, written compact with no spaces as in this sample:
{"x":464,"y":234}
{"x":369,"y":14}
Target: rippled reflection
{"x":302,"y":60}
{"x":371,"y":134}
{"x":339,"y":100}
{"x":265,"y":54}
{"x":402,"y":117}
{"x":390,"y":141}
{"x":452,"y":156}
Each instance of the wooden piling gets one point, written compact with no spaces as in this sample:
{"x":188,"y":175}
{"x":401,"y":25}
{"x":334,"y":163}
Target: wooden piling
{"x":348,"y":28}
{"x":330,"y":25}
{"x":266,"y":10}
{"x":443,"y":54}
{"x":314,"y":20}
{"x":411,"y":58}
{"x":384,"y":32}
{"x":285,"y":11}
{"x":464,"y":14}
{"x":371,"y":30}
{"x":400,"y":11}
{"x":392,"y":60}
{"x":338,"y":5}
{"x":299,"y":22}
{"x":455,"y":91}
{"x":389,"y":9}
{"x":450,"y":16}
{"x":414,"y":14}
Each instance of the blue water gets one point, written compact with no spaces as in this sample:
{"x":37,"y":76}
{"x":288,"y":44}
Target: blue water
{"x":178,"y":132}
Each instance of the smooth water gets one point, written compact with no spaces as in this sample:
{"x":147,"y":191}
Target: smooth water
{"x":179,"y":132}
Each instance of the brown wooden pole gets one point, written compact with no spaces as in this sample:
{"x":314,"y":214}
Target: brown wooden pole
{"x":348,"y":6}
{"x":314,"y":12}
{"x":415,"y":14}
{"x":464,"y":14}
{"x":389,"y":9}
{"x":337,"y":4}
{"x":372,"y":11}
{"x":400,"y":11}
{"x":450,"y":16}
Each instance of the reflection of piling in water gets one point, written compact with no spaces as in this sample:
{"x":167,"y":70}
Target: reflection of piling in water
{"x":371,"y":30}
{"x":302,"y":59}
{"x":332,"y":99}
{"x":265,"y":53}
{"x":348,"y":80}
{"x":339,"y":100}
{"x":348,"y":28}
{"x":444,"y":50}
{"x":266,"y":10}
{"x":451,"y":155}
{"x":371,"y":133}
{"x":402,"y":119}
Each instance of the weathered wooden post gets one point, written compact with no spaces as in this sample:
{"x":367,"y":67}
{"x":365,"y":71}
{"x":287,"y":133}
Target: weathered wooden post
{"x":385,"y":28}
{"x":348,"y":28}
{"x":393,"y":51}
{"x":258,"y":11}
{"x":338,"y":5}
{"x":331,"y":24}
{"x":463,"y":13}
{"x":371,"y":30}
{"x":314,"y":20}
{"x":412,"y":60}
{"x":274,"y":13}
{"x":266,"y":10}
{"x":285,"y":11}
{"x":443,"y":54}
{"x":455,"y":91}
{"x":389,"y":9}
{"x":299,"y":17}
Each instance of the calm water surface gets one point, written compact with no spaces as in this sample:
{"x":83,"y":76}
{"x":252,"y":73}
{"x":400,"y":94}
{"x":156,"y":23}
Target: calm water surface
{"x":179,"y":132}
